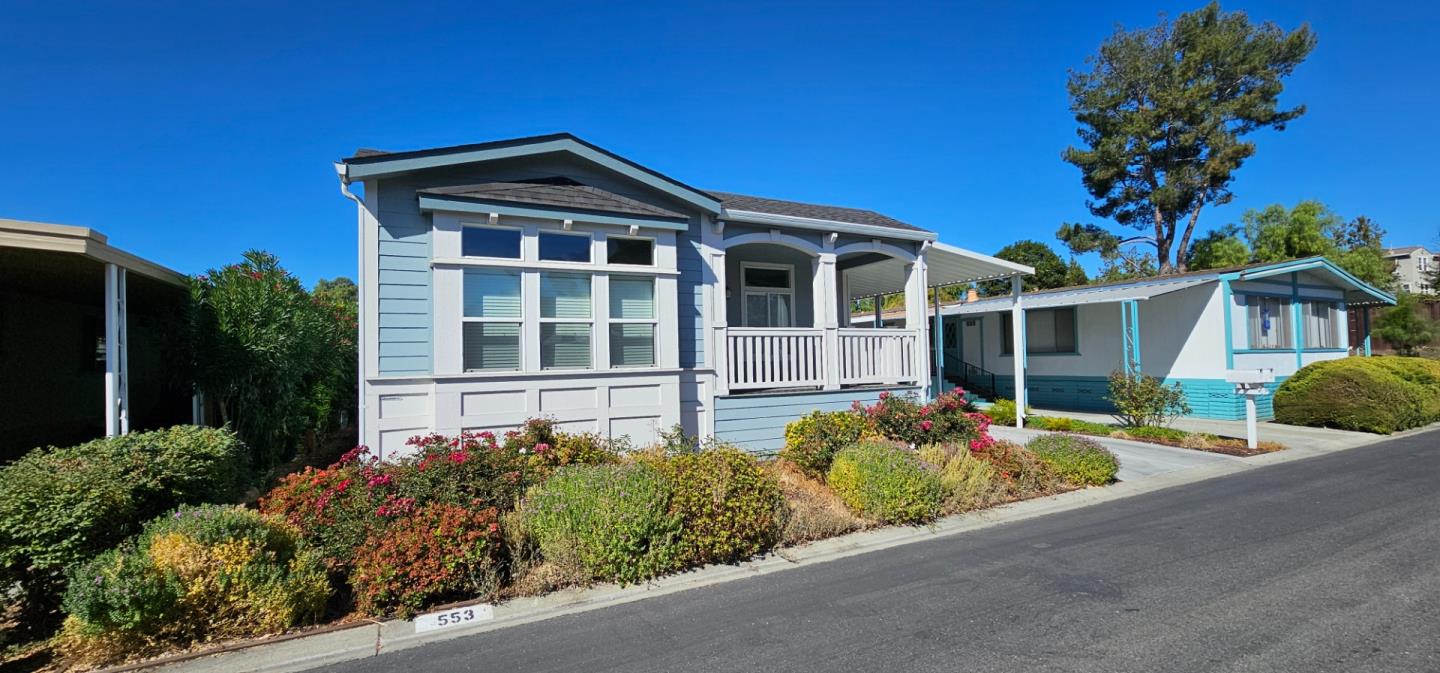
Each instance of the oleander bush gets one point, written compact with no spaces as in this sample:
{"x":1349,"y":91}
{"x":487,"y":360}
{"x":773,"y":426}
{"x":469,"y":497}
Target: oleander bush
{"x":614,"y":521}
{"x":196,"y":574}
{"x":1375,"y":394}
{"x":1021,"y":474}
{"x":886,"y":482}
{"x":1080,"y":461}
{"x":970,"y":482}
{"x":812,"y":441}
{"x":438,"y":552}
{"x":62,"y":506}
{"x":730,"y":509}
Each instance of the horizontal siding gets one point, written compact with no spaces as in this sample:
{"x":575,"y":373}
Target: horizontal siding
{"x":690,"y":291}
{"x":404,"y":284}
{"x":757,"y":423}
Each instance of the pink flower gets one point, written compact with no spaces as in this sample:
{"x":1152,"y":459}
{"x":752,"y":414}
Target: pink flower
{"x":925,"y":410}
{"x":380,"y":480}
{"x":884,"y":394}
{"x":458,"y":457}
{"x":541,"y":448}
{"x":926,"y":425}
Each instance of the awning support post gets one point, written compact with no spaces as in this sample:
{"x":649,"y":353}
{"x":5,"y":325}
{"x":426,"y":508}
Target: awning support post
{"x":117,"y":402}
{"x":939,"y":341}
{"x":1017,"y":338}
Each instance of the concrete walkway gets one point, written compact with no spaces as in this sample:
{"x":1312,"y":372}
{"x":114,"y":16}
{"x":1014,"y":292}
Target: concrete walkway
{"x":1294,"y":437}
{"x":1137,"y":459}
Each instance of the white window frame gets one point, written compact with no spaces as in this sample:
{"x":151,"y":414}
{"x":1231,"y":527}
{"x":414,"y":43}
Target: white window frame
{"x":518,"y":321}
{"x":541,"y":320}
{"x":747,"y":290}
{"x":519,"y":253}
{"x":587,"y":235}
{"x":653,"y":321}
{"x":654,"y":251}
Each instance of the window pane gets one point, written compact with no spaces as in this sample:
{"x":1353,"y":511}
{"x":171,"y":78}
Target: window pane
{"x":632,"y":298}
{"x":564,"y":247}
{"x":630,"y":251}
{"x":1268,"y":322}
{"x":780,"y":310}
{"x":564,"y":346}
{"x":757,"y":310}
{"x":1040,"y":332}
{"x":632,"y":345}
{"x":491,"y":346}
{"x":485,"y":242}
{"x":492,"y":294}
{"x":565,"y":295}
{"x":1320,"y":325}
{"x":767,"y":278}
{"x":1065,"y":330}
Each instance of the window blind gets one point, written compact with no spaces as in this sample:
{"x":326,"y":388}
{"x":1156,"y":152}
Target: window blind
{"x":565,"y":295}
{"x":1320,"y":325}
{"x":632,"y":344}
{"x":565,"y":345}
{"x":632,"y":298}
{"x":491,"y":346}
{"x":492,"y":294}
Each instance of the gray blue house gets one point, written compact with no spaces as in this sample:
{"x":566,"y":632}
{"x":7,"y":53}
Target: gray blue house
{"x":546,"y":276}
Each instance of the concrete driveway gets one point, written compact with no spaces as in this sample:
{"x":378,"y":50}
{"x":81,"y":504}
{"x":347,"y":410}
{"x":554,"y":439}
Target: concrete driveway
{"x":1292,"y":436}
{"x":1137,"y":459}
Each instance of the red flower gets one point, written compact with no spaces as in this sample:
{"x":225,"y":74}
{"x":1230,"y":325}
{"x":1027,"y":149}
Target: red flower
{"x":926,"y":425}
{"x":541,"y":448}
{"x":458,"y":457}
{"x":884,"y":394}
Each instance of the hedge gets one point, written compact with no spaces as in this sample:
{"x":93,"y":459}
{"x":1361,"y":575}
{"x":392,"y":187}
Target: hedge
{"x":887,"y":483}
{"x":1374,"y":394}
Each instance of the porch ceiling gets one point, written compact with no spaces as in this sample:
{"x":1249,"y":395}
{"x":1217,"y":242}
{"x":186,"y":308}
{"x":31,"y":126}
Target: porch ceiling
{"x":945,"y":264}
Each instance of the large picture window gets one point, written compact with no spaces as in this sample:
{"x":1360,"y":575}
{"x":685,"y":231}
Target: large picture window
{"x":1322,"y":324}
{"x":632,"y":321}
{"x":1267,"y":321}
{"x":769,"y":295}
{"x":493,"y":313}
{"x":1047,"y":331}
{"x":566,"y":321}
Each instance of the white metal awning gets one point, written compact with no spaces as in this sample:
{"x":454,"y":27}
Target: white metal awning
{"x":1103,"y":294}
{"x":945,"y":264}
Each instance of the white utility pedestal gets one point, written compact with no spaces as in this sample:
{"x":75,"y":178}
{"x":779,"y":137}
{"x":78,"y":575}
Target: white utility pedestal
{"x":1251,"y":384}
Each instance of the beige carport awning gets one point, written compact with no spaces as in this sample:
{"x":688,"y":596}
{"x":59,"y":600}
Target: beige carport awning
{"x":1080,"y":295}
{"x":946,"y":265}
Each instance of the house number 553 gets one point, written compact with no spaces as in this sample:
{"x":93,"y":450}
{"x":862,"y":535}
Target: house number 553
{"x":445,"y":619}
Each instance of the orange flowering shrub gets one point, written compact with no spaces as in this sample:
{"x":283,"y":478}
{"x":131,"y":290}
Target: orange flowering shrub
{"x":437,"y":552}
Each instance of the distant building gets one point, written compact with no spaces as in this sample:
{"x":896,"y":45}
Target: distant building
{"x":1414,"y":268}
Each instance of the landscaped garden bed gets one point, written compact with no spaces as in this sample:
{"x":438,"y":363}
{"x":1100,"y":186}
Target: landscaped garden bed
{"x":486,"y":517}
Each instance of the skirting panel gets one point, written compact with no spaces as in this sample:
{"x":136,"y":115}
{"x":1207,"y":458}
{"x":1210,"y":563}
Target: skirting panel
{"x":757,"y":422}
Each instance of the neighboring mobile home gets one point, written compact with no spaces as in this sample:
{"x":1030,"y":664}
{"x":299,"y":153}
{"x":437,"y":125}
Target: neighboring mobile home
{"x":1188,"y":328}
{"x":546,"y":276}
{"x":82,"y":339}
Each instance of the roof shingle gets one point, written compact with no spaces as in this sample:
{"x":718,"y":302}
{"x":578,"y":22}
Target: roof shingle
{"x":562,"y":194}
{"x":809,"y":210}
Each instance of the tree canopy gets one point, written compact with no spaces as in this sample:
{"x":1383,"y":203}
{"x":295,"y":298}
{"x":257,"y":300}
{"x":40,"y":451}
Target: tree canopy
{"x":1218,"y":249}
{"x":1311,"y":229}
{"x":1162,"y":112}
{"x":1050,"y":270}
{"x":1403,"y":327}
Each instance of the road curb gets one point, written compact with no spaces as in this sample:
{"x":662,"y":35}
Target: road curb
{"x":304,"y":651}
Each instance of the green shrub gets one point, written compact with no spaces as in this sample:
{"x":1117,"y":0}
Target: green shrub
{"x":1067,"y":424}
{"x":438,"y":552}
{"x":730,"y":508}
{"x":62,"y":506}
{"x":1021,"y":474}
{"x":614,"y":521}
{"x":1152,"y":432}
{"x":970,"y":482}
{"x":193,"y":575}
{"x":904,"y":419}
{"x":1078,"y":460}
{"x":812,"y":441}
{"x":1002,"y":412}
{"x":1141,"y":399}
{"x":886,"y":483}
{"x":1375,"y":394}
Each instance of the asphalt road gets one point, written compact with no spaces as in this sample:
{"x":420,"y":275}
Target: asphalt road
{"x":1328,"y":564}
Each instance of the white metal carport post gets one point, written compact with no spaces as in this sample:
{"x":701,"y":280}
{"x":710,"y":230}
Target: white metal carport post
{"x":1017,"y":339}
{"x":117,"y":402}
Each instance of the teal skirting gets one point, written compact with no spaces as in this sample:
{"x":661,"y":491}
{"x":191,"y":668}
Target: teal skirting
{"x":1208,"y":398}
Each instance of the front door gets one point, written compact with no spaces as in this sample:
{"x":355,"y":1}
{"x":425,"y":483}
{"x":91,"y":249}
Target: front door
{"x":972,"y":341}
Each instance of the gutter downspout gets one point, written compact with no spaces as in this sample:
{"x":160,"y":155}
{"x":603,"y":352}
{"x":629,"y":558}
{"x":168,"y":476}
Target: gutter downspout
{"x":342,"y":173}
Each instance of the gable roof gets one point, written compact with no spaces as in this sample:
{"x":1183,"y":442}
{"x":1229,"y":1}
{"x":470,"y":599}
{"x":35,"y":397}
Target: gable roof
{"x":757,"y":204}
{"x":371,"y":163}
{"x":1404,"y":250}
{"x":557,"y":194}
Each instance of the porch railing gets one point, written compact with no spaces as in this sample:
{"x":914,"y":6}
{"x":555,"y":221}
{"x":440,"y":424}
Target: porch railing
{"x":777,"y":358}
{"x":877,"y":356}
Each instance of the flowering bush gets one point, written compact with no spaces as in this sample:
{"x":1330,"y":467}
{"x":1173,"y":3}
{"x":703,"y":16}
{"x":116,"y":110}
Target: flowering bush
{"x":949,"y":418}
{"x":337,"y":508}
{"x":1078,"y":460}
{"x":730,"y":508}
{"x":470,"y":470}
{"x":1021,"y":473}
{"x":437,"y":552}
{"x":812,"y":440}
{"x":887,"y":483}
{"x":613,"y":521}
{"x":195,"y":574}
{"x":547,"y":449}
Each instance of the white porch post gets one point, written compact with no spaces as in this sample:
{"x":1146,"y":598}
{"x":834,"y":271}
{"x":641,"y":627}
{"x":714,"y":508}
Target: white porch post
{"x":915,"y":321}
{"x":117,"y":403}
{"x":824,"y":291}
{"x":1017,"y":339}
{"x":877,"y":300}
{"x":719,"y":307}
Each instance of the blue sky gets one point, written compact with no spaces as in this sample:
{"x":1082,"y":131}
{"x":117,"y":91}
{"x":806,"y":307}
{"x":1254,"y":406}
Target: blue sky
{"x":189,"y":132}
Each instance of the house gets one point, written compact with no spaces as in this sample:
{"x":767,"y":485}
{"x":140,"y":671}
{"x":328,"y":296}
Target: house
{"x":546,"y":276}
{"x":1414,"y":268}
{"x":1187,"y":328}
{"x":83,"y":338}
